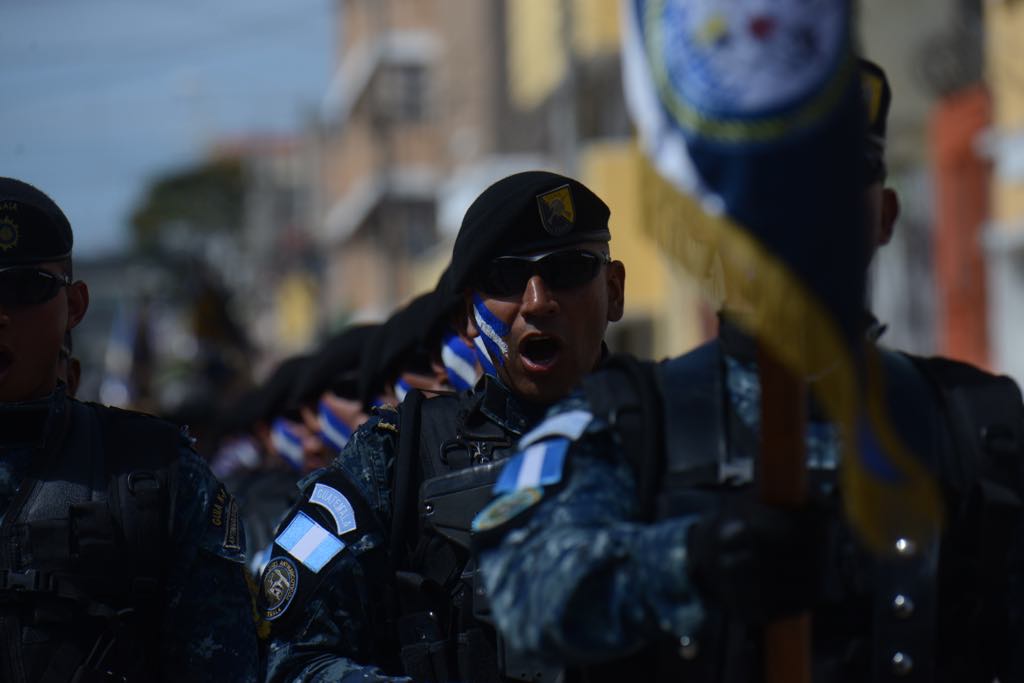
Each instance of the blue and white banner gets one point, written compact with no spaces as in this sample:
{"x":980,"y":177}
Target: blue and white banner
{"x":309,"y":543}
{"x":459,"y":361}
{"x":287,"y":443}
{"x":539,"y":465}
{"x":493,"y":331}
{"x":333,"y":430}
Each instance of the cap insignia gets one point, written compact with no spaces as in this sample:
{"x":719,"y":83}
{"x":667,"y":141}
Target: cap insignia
{"x":8,"y":234}
{"x":557,"y":212}
{"x":871,"y":85}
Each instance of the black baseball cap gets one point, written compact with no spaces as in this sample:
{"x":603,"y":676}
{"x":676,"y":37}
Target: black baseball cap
{"x":33,"y":229}
{"x":525,"y":213}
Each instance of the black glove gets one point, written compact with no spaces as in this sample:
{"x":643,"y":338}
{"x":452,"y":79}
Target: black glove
{"x":757,"y":562}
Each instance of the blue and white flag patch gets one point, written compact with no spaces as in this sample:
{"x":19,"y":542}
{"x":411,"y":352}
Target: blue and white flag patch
{"x":570,"y":425}
{"x":337,"y":506}
{"x":309,"y":543}
{"x":333,"y":429}
{"x":538,"y":465}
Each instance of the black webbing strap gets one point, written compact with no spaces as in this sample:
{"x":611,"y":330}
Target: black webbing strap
{"x":403,"y":498}
{"x":626,"y":392}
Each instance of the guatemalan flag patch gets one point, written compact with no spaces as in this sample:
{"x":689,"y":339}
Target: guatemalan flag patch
{"x":539,"y":465}
{"x":309,"y":543}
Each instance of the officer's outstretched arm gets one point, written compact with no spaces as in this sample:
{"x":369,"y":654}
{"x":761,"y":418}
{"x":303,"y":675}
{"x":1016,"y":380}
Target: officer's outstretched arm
{"x":570,"y":576}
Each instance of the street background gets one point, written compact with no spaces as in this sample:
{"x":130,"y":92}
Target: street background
{"x":246,"y":177}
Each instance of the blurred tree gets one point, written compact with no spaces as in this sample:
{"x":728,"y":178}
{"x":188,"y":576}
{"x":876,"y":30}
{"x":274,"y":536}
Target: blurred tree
{"x":203,"y":199}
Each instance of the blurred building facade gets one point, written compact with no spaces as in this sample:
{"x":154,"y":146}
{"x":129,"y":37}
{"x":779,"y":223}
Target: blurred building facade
{"x":1004,"y":234}
{"x":432,"y":101}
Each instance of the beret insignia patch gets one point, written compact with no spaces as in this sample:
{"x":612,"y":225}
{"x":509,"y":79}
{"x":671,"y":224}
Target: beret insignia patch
{"x":557,"y":213}
{"x":280,"y":580}
{"x":8,"y":234}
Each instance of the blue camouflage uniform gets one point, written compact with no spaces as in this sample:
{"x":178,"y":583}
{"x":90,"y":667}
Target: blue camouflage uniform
{"x":198,"y":638}
{"x":332,"y":609}
{"x":560,"y":544}
{"x":577,"y":574}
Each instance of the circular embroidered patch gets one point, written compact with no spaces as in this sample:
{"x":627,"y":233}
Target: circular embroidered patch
{"x":280,"y":580}
{"x":726,"y":70}
{"x":8,"y":234}
{"x":505,"y":508}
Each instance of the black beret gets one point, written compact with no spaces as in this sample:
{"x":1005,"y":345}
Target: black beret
{"x":877,"y":98}
{"x":522,"y":214}
{"x":337,"y":359}
{"x":33,"y":229}
{"x":270,"y":398}
{"x":402,"y":343}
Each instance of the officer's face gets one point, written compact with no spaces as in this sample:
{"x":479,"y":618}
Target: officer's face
{"x":554,"y":334}
{"x":31,"y":338}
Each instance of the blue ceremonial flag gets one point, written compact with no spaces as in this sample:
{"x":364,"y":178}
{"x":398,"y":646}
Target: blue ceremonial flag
{"x":751,"y":119}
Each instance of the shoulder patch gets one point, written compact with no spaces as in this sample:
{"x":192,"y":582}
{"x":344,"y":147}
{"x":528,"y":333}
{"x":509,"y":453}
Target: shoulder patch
{"x":224,"y":515}
{"x":309,"y":543}
{"x":387,"y":426}
{"x":337,"y":506}
{"x":505,"y":508}
{"x":570,"y":425}
{"x":539,"y":465}
{"x":278,"y":586}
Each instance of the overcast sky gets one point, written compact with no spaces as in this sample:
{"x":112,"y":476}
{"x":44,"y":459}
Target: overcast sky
{"x":100,"y":96}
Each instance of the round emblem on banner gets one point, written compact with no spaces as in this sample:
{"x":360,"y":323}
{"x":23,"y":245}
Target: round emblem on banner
{"x":744,"y":60}
{"x":8,"y":234}
{"x":280,"y":580}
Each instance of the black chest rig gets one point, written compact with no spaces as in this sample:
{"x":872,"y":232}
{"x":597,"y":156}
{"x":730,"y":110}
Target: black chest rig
{"x":82,"y":549}
{"x":901,"y":619}
{"x":454,"y":447}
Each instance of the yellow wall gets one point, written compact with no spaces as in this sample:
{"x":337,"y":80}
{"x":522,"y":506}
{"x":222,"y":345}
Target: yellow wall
{"x":655,"y":287}
{"x":595,"y":27}
{"x":536,"y":51}
{"x":1004,"y":25}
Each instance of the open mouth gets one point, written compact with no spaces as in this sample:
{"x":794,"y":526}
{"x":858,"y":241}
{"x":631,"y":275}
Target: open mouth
{"x":540,"y":351}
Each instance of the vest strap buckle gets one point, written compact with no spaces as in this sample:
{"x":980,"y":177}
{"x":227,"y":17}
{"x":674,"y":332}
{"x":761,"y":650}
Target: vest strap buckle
{"x":28,"y":580}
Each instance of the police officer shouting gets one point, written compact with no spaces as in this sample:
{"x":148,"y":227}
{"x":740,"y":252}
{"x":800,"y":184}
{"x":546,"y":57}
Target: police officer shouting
{"x":114,"y":532}
{"x":656,"y":546}
{"x":371,"y":577}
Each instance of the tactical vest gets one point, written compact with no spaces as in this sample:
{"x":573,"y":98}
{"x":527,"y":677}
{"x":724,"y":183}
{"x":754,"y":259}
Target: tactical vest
{"x":82,"y":550}
{"x":879,"y":619}
{"x":455,"y":447}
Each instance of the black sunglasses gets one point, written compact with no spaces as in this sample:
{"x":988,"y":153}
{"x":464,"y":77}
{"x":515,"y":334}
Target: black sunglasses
{"x":562,"y":270}
{"x":23,"y":287}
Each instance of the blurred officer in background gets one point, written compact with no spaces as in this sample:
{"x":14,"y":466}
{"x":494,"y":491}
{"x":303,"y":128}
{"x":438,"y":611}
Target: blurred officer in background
{"x":371,"y":578}
{"x":115,"y":533}
{"x":644,"y":555}
{"x":327,"y":394}
{"x":286,"y":450}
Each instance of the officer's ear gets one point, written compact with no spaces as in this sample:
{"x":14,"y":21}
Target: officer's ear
{"x":616,"y":283}
{"x":78,"y":302}
{"x":465,"y":324}
{"x":890,"y":212}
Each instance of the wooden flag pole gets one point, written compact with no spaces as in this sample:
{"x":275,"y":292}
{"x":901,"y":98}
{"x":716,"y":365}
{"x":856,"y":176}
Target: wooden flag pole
{"x":782,"y":482}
